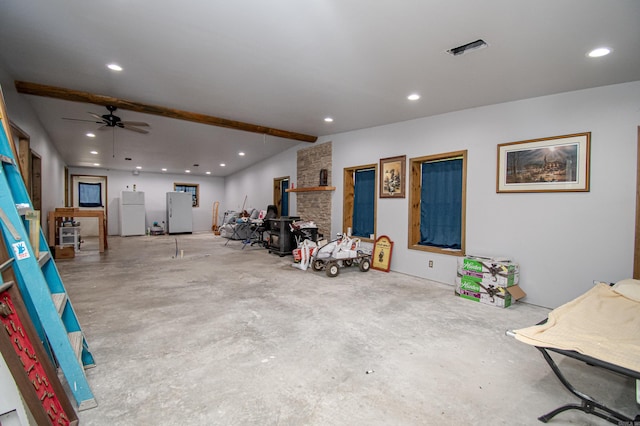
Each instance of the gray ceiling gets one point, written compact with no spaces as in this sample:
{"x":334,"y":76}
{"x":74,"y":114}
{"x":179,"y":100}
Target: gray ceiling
{"x":288,"y":64}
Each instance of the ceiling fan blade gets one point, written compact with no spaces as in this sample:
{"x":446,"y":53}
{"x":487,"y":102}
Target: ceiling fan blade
{"x":135,"y":129}
{"x":135,"y":123}
{"x":96,"y":116}
{"x":79,"y":119}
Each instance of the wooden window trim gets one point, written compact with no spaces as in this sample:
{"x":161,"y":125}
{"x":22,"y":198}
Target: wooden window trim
{"x":348,"y":195}
{"x":415,"y":179}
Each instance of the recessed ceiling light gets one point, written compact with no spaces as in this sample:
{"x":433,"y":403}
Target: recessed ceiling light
{"x":208,"y":173}
{"x":241,"y":154}
{"x":601,"y":51}
{"x":96,"y":164}
{"x":94,"y":152}
{"x":187,"y":171}
{"x":139,"y":167}
{"x":91,"y":135}
{"x":222,"y":164}
{"x":114,"y":67}
{"x":164,"y":169}
{"x":413,"y":97}
{"x":328,"y":120}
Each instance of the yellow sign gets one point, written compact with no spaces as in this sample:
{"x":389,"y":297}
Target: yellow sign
{"x":381,"y":258}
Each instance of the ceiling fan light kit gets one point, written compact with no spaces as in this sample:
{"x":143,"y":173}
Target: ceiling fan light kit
{"x":112,"y":120}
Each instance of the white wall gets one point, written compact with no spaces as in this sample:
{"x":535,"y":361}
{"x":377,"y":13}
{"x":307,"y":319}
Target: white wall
{"x":21,"y":113}
{"x":563,"y":241}
{"x":256,"y":183}
{"x":11,"y":401}
{"x":155,"y":186}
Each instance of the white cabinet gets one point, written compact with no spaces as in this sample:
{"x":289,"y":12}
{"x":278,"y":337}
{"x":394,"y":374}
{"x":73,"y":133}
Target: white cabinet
{"x":69,"y":236}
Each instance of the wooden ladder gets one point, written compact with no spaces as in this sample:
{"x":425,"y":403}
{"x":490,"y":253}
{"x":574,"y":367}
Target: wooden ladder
{"x":27,"y":257}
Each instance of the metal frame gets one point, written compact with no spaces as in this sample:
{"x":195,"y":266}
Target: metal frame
{"x":587,"y":403}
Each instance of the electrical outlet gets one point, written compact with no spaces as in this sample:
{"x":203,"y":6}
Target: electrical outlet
{"x":431,"y":264}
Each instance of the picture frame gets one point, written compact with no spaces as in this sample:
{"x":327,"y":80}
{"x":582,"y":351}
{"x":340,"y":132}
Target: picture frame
{"x":381,"y":255}
{"x":393,"y":177}
{"x":554,"y":164}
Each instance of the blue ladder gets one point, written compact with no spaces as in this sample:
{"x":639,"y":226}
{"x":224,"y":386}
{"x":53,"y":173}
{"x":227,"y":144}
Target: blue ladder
{"x":39,"y":281}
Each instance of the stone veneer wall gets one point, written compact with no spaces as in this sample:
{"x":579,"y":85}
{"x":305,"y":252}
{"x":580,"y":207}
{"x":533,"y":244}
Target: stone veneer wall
{"x":315,"y":205}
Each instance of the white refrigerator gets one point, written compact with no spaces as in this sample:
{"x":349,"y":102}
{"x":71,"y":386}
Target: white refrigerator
{"x":179,"y":213}
{"x":132,"y":213}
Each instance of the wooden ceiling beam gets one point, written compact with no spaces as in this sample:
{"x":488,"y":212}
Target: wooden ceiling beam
{"x":36,"y":89}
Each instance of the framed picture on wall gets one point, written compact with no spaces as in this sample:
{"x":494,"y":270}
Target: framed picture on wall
{"x":555,"y":164}
{"x":392,"y":177}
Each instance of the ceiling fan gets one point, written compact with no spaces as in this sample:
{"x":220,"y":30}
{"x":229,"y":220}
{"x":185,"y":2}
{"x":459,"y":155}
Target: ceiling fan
{"x":111,"y":120}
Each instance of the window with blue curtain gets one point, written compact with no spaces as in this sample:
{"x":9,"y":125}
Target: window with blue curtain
{"x":90,"y":194}
{"x":364,"y":203}
{"x":284,"y":185}
{"x":441,"y":204}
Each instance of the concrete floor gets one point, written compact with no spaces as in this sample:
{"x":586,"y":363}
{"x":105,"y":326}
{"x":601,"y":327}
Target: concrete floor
{"x":225,"y":336}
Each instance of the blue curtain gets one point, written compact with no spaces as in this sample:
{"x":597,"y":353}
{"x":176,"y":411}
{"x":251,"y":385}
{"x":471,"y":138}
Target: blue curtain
{"x":363,"y":203}
{"x":90,"y":194}
{"x":284,"y":185}
{"x":441,"y":204}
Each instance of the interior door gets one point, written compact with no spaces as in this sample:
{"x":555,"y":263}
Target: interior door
{"x":36,"y":181}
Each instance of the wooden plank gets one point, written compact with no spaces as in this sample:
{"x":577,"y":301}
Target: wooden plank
{"x":59,"y":300}
{"x":43,"y":257}
{"x":75,"y":338}
{"x":36,"y":89}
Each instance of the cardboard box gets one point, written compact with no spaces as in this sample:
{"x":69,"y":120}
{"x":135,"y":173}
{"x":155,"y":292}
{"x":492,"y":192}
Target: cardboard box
{"x":475,"y":289}
{"x":496,"y":271}
{"x":503,"y":280}
{"x":490,"y":265}
{"x":64,"y":252}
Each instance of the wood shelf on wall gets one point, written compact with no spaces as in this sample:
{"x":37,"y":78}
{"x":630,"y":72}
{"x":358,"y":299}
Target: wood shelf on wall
{"x":312,"y":188}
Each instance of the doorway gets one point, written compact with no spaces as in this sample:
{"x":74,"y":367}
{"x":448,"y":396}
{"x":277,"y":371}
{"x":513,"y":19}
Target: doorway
{"x":30,"y":164}
{"x":90,"y":225}
{"x":280,"y":195}
{"x":36,"y":181}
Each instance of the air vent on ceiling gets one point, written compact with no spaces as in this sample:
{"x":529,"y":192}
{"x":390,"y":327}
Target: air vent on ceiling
{"x":474,"y":45}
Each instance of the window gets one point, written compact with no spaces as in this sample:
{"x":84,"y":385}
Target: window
{"x":438,"y":202}
{"x":193,"y":188}
{"x":89,"y":194}
{"x":359,"y":206}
